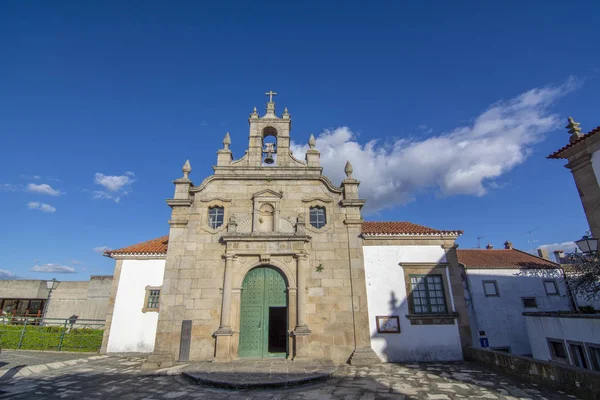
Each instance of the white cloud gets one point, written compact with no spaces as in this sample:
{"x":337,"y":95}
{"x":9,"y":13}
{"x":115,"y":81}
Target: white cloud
{"x":4,"y":274}
{"x":115,"y":186}
{"x":466,"y":160}
{"x":42,"y":188}
{"x":8,"y":187}
{"x":101,"y":249}
{"x":99,"y":194}
{"x":36,"y":205}
{"x":31,"y":177}
{"x":114,"y":183}
{"x":567,"y":247}
{"x":54,"y":268}
{"x":425,"y":128}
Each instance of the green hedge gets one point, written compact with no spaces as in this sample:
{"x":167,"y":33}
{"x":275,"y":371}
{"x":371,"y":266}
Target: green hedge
{"x":48,"y":338}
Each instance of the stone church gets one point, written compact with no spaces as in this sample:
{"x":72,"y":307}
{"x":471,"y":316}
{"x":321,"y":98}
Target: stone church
{"x":268,"y":258}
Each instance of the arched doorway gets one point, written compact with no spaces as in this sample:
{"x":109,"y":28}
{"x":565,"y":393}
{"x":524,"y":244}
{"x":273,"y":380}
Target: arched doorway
{"x":263,"y":314}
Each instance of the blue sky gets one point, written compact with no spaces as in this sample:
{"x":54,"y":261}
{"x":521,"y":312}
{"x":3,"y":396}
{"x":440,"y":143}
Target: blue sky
{"x":464,"y":101}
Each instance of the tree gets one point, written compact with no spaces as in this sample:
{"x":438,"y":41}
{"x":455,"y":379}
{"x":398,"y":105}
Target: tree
{"x":583,"y":274}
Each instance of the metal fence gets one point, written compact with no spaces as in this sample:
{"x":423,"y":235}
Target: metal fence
{"x":58,"y":334}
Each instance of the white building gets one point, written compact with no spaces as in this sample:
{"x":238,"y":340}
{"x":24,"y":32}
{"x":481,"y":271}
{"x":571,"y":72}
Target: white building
{"x":502,"y":284}
{"x":569,"y":338}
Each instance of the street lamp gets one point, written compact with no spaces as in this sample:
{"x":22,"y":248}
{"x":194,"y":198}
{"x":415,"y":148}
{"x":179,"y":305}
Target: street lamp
{"x":588,"y":245}
{"x":51,"y":286}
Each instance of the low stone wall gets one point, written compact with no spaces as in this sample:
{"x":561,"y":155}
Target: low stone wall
{"x":581,"y":382}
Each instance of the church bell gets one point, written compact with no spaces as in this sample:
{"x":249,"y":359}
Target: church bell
{"x":270,"y":149}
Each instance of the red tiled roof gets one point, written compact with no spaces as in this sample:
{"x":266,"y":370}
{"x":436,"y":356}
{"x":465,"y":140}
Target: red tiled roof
{"x":501,"y":259}
{"x":154,"y":246}
{"x":159,"y":245}
{"x":556,"y":154}
{"x":402,"y":228}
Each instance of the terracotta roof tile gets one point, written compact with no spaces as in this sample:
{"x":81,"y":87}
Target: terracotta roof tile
{"x":402,"y":228}
{"x":501,"y":259}
{"x":159,"y":245}
{"x":556,"y":154}
{"x":154,"y":246}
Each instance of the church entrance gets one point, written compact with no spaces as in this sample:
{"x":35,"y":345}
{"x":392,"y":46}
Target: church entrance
{"x":263,"y":316}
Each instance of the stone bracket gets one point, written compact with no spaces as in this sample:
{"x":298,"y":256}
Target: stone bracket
{"x":179,"y":202}
{"x":223,"y":332}
{"x":177,"y":223}
{"x":301,"y":331}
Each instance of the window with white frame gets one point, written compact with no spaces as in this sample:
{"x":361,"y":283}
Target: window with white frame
{"x":594,"y":353}
{"x":558,"y":350}
{"x":551,"y":287}
{"x":215,"y":216}
{"x":578,"y":356}
{"x":490,"y":288}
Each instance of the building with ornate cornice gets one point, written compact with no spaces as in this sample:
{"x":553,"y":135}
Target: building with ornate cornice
{"x":268,"y":258}
{"x":583,"y":154}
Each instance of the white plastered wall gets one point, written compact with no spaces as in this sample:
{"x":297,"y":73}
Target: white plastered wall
{"x":596,"y":165}
{"x":133,"y":331}
{"x":386,"y":296}
{"x":501,"y":317}
{"x":540,"y":329}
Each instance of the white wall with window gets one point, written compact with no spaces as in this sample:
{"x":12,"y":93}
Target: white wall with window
{"x":496,"y":299}
{"x":428,"y":331}
{"x":568,"y":338}
{"x":135,"y":315}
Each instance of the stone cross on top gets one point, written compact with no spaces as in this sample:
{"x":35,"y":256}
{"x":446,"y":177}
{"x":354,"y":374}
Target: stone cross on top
{"x":270,"y":93}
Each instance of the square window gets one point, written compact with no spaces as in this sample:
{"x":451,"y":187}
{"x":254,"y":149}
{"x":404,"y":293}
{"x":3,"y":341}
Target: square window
{"x":490,"y":288}
{"x":529,"y":302}
{"x":427,"y":294}
{"x":551,"y":287}
{"x":152,"y":299}
{"x":558,"y":351}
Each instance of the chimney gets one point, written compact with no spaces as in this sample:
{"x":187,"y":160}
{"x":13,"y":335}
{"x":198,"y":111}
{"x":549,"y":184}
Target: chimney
{"x":489,"y":246}
{"x":543,"y":253}
{"x":559,"y":255}
{"x":508,"y":245}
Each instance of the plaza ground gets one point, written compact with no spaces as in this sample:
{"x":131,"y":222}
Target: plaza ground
{"x":103,"y":377}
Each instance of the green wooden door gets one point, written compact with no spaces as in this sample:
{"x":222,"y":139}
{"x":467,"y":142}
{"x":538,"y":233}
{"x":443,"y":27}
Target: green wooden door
{"x":263,"y":300}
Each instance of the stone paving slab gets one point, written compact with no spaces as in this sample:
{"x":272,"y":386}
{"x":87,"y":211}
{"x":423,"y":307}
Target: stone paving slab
{"x":13,"y":358}
{"x":122,"y":378}
{"x":250,"y":374}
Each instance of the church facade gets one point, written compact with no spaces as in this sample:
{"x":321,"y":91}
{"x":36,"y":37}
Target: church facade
{"x":268,"y":258}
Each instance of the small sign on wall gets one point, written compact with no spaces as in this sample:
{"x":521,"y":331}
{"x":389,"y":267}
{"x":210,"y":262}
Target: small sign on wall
{"x":387,"y":324}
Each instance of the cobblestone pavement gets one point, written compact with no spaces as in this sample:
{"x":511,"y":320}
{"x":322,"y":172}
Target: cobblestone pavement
{"x":121,"y":378}
{"x":12,"y":358}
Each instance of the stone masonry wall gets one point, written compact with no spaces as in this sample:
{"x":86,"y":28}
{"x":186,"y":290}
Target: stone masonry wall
{"x":193,"y":282}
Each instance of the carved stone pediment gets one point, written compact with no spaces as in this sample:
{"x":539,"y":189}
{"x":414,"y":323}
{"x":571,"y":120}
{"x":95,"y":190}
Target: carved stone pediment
{"x":267,"y":193}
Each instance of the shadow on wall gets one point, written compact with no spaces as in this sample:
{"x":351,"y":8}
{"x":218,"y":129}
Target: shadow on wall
{"x":400,"y":336}
{"x":495,"y":304}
